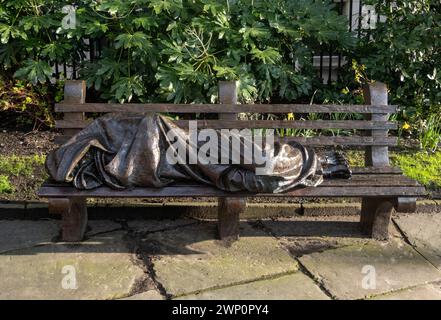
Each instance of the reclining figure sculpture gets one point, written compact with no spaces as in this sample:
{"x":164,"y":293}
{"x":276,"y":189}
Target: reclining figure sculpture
{"x":145,"y":150}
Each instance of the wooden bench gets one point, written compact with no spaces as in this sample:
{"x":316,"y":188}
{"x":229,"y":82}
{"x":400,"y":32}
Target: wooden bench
{"x":380,"y":186}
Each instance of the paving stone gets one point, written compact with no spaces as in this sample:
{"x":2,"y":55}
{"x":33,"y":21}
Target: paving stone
{"x":102,"y":266}
{"x":301,"y":226}
{"x":424,"y":232}
{"x":147,"y":295}
{"x":360,"y":271}
{"x":426,"y":292}
{"x":16,"y":234}
{"x":331,"y":209}
{"x":303,"y":235}
{"x":158,"y":225}
{"x":189,"y":259}
{"x":295,"y":286}
{"x":101,"y":226}
{"x":208,"y":210}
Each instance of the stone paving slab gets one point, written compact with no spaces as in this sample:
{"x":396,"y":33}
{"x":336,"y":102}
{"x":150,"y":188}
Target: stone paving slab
{"x":188,"y":259}
{"x":303,"y":235}
{"x":303,"y":226}
{"x":102,"y":226}
{"x":147,"y":295}
{"x":102,"y":266}
{"x":331,"y":209}
{"x":425,"y":292}
{"x":296,"y":286}
{"x":424,"y":232}
{"x":16,"y":234}
{"x":158,"y":225}
{"x":380,"y":266}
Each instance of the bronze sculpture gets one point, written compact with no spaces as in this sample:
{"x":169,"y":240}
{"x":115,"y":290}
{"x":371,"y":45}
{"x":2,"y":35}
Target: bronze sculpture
{"x":129,"y":150}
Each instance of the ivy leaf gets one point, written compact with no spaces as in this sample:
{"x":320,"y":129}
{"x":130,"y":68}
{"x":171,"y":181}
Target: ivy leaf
{"x":34,"y":71}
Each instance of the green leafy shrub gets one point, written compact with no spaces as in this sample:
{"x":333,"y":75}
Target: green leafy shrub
{"x":404,"y":51}
{"x":29,"y":105}
{"x":175,"y":50}
{"x":430,"y":132}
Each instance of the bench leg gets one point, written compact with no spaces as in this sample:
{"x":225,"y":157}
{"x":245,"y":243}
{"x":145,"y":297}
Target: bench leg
{"x":73,"y":217}
{"x":375,"y":216}
{"x":229,"y":210}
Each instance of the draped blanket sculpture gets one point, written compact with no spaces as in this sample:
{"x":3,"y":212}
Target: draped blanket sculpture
{"x":130,"y":150}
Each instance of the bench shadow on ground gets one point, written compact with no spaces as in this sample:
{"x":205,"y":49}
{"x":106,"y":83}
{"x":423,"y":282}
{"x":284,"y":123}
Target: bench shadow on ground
{"x":191,"y":239}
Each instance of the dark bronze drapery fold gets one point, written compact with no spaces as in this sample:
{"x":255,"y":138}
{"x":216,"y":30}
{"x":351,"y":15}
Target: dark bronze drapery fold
{"x":129,"y":150}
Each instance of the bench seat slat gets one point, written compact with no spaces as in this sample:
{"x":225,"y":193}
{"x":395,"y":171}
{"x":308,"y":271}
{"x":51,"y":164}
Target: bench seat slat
{"x":204,"y":191}
{"x":224,"y":108}
{"x":376,"y":170}
{"x":342,"y":141}
{"x":261,"y":124}
{"x":358,"y":186}
{"x":354,"y":181}
{"x":315,"y":141}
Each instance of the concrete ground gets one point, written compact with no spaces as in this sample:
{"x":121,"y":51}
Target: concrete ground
{"x":285,"y":258}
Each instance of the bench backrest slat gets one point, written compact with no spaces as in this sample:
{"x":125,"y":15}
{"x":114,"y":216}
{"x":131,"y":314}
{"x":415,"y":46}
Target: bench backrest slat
{"x":261,"y":124}
{"x":224,"y":108}
{"x":372,"y":132}
{"x":354,"y":141}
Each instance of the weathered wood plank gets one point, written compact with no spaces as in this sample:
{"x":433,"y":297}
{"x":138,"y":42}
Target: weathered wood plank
{"x":376,"y":170}
{"x":224,"y":108}
{"x":406,"y":205}
{"x":205,"y":191}
{"x":314,"y":141}
{"x":376,"y":93}
{"x":342,"y":141}
{"x":262,"y":124}
{"x":371,"y":180}
{"x":381,"y":179}
{"x":74,"y":92}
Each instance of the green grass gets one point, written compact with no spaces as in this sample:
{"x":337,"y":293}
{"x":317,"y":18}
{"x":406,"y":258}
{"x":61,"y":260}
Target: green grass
{"x":355,"y":158}
{"x":421,"y":166}
{"x":5,"y":185}
{"x":18,"y":170}
{"x":20,"y":165}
